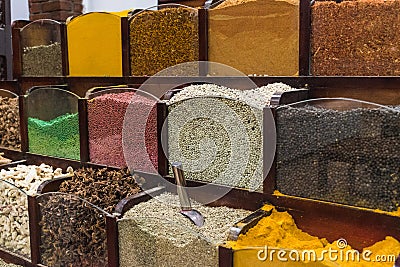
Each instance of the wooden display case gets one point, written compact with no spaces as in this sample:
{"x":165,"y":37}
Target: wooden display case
{"x":43,"y":41}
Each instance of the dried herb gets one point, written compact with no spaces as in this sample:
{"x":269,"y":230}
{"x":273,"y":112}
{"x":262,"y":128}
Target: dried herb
{"x":101,"y":187}
{"x":16,"y":183}
{"x":42,"y":60}
{"x":355,"y":38}
{"x":9,"y":123}
{"x":73,"y":233}
{"x":72,"y":230}
{"x":163,"y":38}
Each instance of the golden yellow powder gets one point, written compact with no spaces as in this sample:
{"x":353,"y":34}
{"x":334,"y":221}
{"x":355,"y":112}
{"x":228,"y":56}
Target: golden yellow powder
{"x":279,"y":231}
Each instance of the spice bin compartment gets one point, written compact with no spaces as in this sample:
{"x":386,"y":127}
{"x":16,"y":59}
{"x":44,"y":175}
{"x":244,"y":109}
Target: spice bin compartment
{"x":327,"y":227}
{"x":351,"y":38}
{"x":19,"y":183}
{"x":52,"y":122}
{"x":14,"y":236}
{"x":72,"y":231}
{"x":255,"y":37}
{"x":164,"y":36}
{"x":10,"y":137}
{"x":123,"y":122}
{"x":225,"y":136}
{"x":85,"y":56}
{"x":74,"y":216}
{"x":349,"y":152}
{"x":163,"y":235}
{"x":40,"y":49}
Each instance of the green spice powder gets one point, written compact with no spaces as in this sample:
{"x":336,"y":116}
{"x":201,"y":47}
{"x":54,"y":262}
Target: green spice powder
{"x":58,"y":137}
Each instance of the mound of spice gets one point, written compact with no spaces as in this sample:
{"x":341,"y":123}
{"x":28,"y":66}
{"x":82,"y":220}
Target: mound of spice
{"x":154,"y":233}
{"x":42,"y":60}
{"x":73,"y":226}
{"x":355,"y":38}
{"x":106,"y":114}
{"x":163,"y":38}
{"x":349,"y":157}
{"x":9,"y":123}
{"x":256,"y":37}
{"x":216,"y":132}
{"x":58,"y":137}
{"x":103,"y":188}
{"x":16,"y":183}
{"x":279,"y":231}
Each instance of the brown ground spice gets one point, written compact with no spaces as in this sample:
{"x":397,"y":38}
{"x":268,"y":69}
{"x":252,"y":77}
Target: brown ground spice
{"x":255,"y":36}
{"x":164,"y":38}
{"x":356,"y":38}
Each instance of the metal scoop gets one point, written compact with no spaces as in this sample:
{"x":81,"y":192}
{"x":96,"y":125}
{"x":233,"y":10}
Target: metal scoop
{"x":186,"y":207}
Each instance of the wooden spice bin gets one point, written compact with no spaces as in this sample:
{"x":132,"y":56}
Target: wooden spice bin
{"x":224,"y":196}
{"x":85,"y":56}
{"x":10,"y":117}
{"x":359,"y":227}
{"x":268,"y":127}
{"x":103,"y":252}
{"x":371,"y":124}
{"x":118,"y":115}
{"x":5,"y":253}
{"x":46,"y":105}
{"x":45,"y":37}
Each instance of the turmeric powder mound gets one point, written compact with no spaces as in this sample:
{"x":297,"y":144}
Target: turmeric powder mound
{"x":278,"y":230}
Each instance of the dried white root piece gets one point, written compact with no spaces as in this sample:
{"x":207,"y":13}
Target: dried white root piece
{"x":21,"y":181}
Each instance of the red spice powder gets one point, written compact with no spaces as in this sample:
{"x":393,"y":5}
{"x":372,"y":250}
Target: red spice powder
{"x":355,"y":38}
{"x":106,"y":115}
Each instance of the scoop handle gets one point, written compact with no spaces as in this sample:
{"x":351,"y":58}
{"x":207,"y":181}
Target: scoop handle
{"x":181,"y":184}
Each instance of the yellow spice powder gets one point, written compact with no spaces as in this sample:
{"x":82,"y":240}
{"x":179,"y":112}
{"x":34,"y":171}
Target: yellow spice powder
{"x":279,"y":230}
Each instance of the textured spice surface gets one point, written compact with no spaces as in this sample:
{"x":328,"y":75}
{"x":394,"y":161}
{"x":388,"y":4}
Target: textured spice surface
{"x":43,"y":60}
{"x":58,"y":137}
{"x":163,"y":38}
{"x":9,"y":123}
{"x":101,"y":187}
{"x":279,"y":231}
{"x":349,"y":157}
{"x":73,"y":231}
{"x":154,"y":233}
{"x":216,"y":132}
{"x":21,"y":181}
{"x":354,"y":38}
{"x":256,"y":37}
{"x":106,"y":115}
